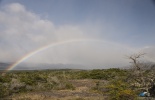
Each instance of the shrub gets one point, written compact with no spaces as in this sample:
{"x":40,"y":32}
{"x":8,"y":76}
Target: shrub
{"x":33,"y":78}
{"x":84,"y":75}
{"x":3,"y":91}
{"x":69,"y":86}
{"x":127,"y":95}
{"x":119,"y":90}
{"x":5,"y":79}
{"x":97,"y":74}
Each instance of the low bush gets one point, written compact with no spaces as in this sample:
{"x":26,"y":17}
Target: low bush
{"x":119,"y":90}
{"x":4,"y":91}
{"x":69,"y":86}
{"x":5,"y":79}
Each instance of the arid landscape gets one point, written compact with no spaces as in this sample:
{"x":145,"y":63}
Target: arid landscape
{"x":77,"y":49}
{"x":67,"y":84}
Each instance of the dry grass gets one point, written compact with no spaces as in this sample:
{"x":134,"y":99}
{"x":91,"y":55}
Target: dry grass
{"x":43,"y":97}
{"x":81,"y":92}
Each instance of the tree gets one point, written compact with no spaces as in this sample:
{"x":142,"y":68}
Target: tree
{"x":143,"y":73}
{"x":137,"y":72}
{"x":135,"y":61}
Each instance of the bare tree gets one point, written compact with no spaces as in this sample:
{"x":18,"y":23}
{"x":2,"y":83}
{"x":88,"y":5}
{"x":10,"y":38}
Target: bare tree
{"x":135,"y":60}
{"x":136,"y":73}
{"x":138,"y":76}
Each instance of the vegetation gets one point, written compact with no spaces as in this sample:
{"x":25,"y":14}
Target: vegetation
{"x":114,"y":83}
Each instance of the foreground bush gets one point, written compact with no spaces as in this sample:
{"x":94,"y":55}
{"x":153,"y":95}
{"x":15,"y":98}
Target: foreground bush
{"x":119,"y":90}
{"x":3,"y":91}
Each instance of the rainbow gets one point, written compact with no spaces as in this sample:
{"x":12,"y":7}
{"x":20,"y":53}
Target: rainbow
{"x":32,"y":53}
{"x":43,"y":48}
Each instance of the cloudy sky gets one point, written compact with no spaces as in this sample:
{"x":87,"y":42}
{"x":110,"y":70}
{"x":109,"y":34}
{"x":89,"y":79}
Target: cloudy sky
{"x":93,"y":33}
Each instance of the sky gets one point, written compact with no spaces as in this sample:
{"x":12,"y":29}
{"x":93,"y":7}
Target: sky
{"x":103,"y":32}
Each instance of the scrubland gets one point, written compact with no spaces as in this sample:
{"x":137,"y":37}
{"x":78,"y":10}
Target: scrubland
{"x":68,"y":84}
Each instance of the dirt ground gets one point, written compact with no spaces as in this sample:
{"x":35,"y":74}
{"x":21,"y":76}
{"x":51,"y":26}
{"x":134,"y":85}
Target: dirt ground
{"x":83,"y":91}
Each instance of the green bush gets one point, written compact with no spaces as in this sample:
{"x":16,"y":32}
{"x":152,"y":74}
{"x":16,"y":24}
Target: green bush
{"x":127,"y":95}
{"x":69,"y":86}
{"x":33,"y":78}
{"x":97,"y":74}
{"x":28,"y":80}
{"x":48,"y":86}
{"x":83,"y":74}
{"x":119,"y":90}
{"x":3,"y":91}
{"x":5,"y":79}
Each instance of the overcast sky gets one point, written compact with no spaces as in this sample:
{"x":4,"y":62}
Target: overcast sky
{"x":105,"y":31}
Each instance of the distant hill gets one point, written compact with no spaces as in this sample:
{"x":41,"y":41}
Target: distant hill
{"x":3,"y":65}
{"x":40,"y":66}
{"x":32,"y":66}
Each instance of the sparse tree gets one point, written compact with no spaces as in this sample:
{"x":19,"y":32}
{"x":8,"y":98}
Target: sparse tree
{"x":137,"y":73}
{"x":135,"y":60}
